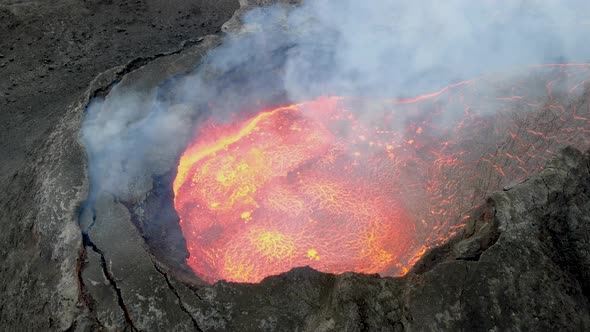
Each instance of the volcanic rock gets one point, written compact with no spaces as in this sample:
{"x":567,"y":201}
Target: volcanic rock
{"x":41,"y":162}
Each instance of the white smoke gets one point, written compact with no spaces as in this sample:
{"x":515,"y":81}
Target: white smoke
{"x":394,"y":48}
{"x":381,"y":48}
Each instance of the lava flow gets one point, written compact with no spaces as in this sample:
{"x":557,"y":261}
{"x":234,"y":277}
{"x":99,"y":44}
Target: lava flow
{"x":345,"y":184}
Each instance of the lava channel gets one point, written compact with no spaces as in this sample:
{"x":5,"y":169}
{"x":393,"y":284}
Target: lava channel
{"x":345,"y":184}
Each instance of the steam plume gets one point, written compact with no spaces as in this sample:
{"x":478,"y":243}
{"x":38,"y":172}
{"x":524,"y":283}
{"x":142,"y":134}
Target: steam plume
{"x":376,"y":48}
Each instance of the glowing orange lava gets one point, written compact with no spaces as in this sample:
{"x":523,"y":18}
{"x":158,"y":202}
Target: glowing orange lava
{"x":343,"y":184}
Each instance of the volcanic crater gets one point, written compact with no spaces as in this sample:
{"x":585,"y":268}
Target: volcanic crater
{"x":248,"y":211}
{"x":315,"y":184}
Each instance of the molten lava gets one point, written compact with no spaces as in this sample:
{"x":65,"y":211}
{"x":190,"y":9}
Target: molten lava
{"x":344,"y":184}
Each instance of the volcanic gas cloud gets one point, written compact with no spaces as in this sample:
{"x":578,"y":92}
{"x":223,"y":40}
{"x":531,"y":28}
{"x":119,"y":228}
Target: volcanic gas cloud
{"x":346,"y":184}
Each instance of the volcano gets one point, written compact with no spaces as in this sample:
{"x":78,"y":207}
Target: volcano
{"x":295,"y":135}
{"x":365,"y":185}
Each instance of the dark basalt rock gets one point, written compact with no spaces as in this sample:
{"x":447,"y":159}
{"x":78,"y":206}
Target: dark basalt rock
{"x":532,"y":277}
{"x":520,"y":263}
{"x":51,"y":54}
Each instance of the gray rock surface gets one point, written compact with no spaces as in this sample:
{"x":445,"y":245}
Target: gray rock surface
{"x":534,"y":276}
{"x":51,"y":53}
{"x":521,"y":262}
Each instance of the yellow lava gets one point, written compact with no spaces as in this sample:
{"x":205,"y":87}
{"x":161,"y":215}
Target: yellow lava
{"x":313,"y":255}
{"x":273,"y":244}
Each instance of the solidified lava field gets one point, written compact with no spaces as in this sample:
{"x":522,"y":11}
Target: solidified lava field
{"x":367,"y":185}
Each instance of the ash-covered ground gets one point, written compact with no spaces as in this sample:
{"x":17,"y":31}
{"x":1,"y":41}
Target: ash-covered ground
{"x":50,"y":51}
{"x":49,"y":54}
{"x":521,"y":262}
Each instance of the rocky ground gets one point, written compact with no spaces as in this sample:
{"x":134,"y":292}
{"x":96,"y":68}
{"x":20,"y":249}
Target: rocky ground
{"x":522,"y":262}
{"x":50,"y":51}
{"x":49,"y":54}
